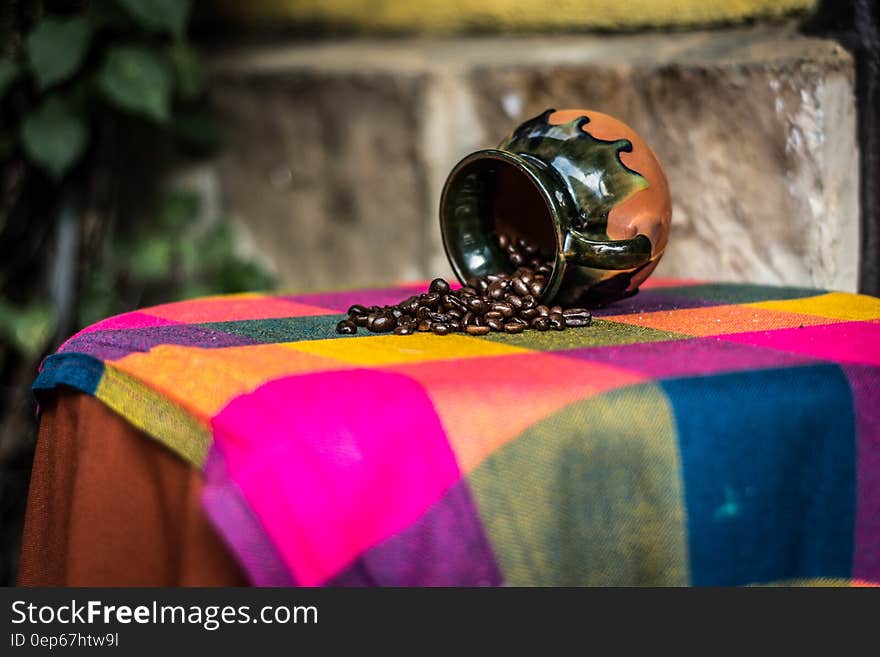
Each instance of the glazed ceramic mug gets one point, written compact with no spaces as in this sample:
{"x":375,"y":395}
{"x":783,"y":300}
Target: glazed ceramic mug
{"x":581,"y":185}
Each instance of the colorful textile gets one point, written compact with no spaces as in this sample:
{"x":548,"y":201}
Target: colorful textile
{"x":704,"y":434}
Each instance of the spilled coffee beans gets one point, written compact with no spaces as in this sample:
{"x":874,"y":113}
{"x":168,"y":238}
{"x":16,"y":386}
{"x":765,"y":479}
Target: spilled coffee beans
{"x":498,"y":302}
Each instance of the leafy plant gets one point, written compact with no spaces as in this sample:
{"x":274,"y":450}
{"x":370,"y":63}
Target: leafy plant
{"x":126,"y":59}
{"x":94,"y":95}
{"x":84,"y":90}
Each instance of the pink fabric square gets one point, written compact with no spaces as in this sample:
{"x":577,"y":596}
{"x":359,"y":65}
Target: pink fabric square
{"x":844,"y":342}
{"x":335,"y":462}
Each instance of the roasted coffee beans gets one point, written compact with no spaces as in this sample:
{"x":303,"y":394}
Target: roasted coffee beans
{"x":500,"y":302}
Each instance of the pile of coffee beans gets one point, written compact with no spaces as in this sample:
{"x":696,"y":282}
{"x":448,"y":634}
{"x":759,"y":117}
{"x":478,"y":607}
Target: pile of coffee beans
{"x":497,"y":302}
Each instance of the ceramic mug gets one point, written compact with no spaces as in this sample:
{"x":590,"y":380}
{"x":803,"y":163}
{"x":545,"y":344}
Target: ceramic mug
{"x":581,"y":185}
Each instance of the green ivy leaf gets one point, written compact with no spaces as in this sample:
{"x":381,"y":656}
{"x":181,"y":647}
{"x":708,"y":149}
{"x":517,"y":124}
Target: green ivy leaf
{"x":136,"y":80}
{"x":8,"y":74}
{"x":151,"y":257}
{"x":27,"y":328}
{"x":56,"y":47}
{"x":54,"y":136}
{"x":159,"y":15}
{"x":189,"y":75}
{"x":179,"y":209}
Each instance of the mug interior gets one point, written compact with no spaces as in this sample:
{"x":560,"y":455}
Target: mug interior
{"x":489,"y":194}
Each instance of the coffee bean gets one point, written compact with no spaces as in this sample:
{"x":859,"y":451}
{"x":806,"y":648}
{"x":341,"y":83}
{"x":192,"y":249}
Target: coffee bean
{"x":346,"y":327}
{"x":493,"y":314}
{"x":440,"y":329}
{"x":518,"y":287}
{"x":556,"y":309}
{"x":431,"y":299}
{"x":439,"y":317}
{"x":495,"y":324}
{"x":528,"y":301}
{"x":570,"y":322}
{"x":439,"y":285}
{"x":497,"y":289}
{"x":503,"y":307}
{"x":477,"y":330}
{"x":478,"y":305}
{"x":581,"y":315}
{"x":529,"y":313}
{"x":514,"y":327}
{"x":503,"y":240}
{"x":557,"y":323}
{"x":516,"y":259}
{"x":468,"y":319}
{"x":514,"y":301}
{"x":455,"y":313}
{"x":357,"y":309}
{"x":423,"y":313}
{"x":381,"y":323}
{"x":526,"y":276}
{"x":575,"y":311}
{"x":360,"y":320}
{"x":410,"y":306}
{"x":402,"y":330}
{"x":536,"y":288}
{"x":424,"y":326}
{"x":542,"y":323}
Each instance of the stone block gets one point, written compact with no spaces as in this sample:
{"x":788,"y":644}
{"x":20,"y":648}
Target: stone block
{"x":338,"y":150}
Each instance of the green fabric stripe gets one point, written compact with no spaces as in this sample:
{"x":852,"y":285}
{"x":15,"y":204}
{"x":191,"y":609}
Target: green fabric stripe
{"x":586,"y":510}
{"x":281,"y":329}
{"x":600,"y":333}
{"x":739,"y":293}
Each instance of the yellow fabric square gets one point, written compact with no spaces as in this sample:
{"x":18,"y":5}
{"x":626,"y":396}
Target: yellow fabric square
{"x":419,"y":347}
{"x":155,"y":414}
{"x":835,"y":305}
{"x":204,"y":380}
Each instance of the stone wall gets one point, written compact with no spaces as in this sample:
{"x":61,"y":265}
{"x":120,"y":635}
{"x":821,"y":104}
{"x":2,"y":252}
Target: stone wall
{"x":337,"y":150}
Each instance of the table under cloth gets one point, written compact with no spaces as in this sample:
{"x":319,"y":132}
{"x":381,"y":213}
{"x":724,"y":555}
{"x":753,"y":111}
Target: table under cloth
{"x":697,"y":433}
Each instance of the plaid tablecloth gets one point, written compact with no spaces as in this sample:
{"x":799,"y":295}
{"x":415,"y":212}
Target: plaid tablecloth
{"x":705,"y":434}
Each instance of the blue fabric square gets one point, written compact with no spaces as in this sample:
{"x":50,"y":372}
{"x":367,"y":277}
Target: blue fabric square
{"x":769,"y":469}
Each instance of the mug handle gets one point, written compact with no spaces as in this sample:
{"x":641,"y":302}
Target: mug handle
{"x":609,"y":254}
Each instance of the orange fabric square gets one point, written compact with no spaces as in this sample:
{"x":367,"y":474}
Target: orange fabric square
{"x":203,"y":381}
{"x":720,"y":320}
{"x":484,"y":403}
